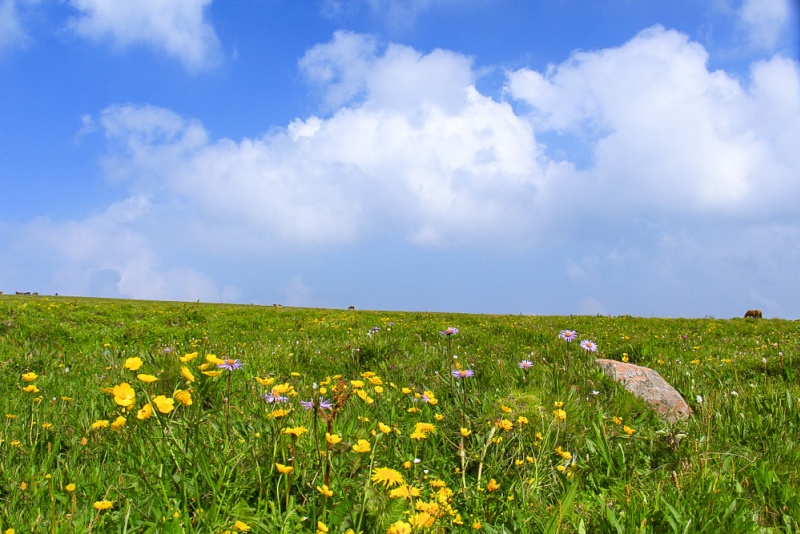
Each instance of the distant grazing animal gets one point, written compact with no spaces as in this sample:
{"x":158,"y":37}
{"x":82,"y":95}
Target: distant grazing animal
{"x":351,"y":308}
{"x":755,"y":314}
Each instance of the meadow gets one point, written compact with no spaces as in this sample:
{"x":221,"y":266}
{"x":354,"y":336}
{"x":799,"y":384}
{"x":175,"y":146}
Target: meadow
{"x":132,"y":416}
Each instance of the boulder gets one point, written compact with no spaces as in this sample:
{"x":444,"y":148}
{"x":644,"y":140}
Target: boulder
{"x":647,"y":384}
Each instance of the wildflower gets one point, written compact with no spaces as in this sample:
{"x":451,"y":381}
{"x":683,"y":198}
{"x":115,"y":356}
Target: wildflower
{"x":102,"y":423}
{"x":230,"y":365}
{"x":164,"y":404}
{"x":560,"y":414}
{"x":386,"y":429}
{"x":462,"y":373}
{"x":449,"y":331}
{"x":332,"y":439}
{"x":70,"y":487}
{"x":476,"y":525}
{"x":356,"y":384}
{"x":295,"y":431}
{"x":241,"y":526}
{"x":322,"y":528}
{"x":124,"y":395}
{"x":423,"y":520}
{"x":284,"y":389}
{"x":212,"y":374}
{"x":47,"y":426}
{"x":284,"y":469}
{"x":521,"y":420}
{"x":399,"y":527}
{"x":506,"y":409}
{"x":589,"y":346}
{"x":271,"y":398}
{"x":568,"y":335}
{"x":625,"y":357}
{"x":145,"y":412}
{"x":23,"y":485}
{"x":276,"y":414}
{"x":186,"y":358}
{"x":30,"y":377}
{"x":617,"y":420}
{"x":103,"y":505}
{"x":118,"y":423}
{"x":628,"y":430}
{"x":387,"y":476}
{"x":265,"y":381}
{"x":362,"y":446}
{"x":407,"y":464}
{"x":184,"y":397}
{"x":323,"y":404}
{"x":30,"y":388}
{"x":558,"y":404}
{"x":10,"y":416}
{"x":492,"y":485}
{"x":213,"y":360}
{"x":505,"y":424}
{"x":363,"y":396}
{"x":147,"y":379}
{"x":375,"y":380}
{"x":325,"y":490}
{"x":525,"y":364}
{"x":132,"y":364}
{"x":187,"y":374}
{"x":438,"y":417}
{"x":404,"y":491}
{"x":699,"y":399}
{"x":465,"y":432}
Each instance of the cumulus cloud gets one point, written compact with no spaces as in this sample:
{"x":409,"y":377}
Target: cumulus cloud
{"x":765,"y":21}
{"x":397,"y":14}
{"x":11,"y":30}
{"x":177,"y":27}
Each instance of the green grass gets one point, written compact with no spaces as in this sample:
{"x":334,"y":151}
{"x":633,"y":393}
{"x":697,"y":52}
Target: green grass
{"x":733,"y":467}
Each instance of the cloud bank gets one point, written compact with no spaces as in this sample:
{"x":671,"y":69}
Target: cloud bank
{"x":658,"y":172}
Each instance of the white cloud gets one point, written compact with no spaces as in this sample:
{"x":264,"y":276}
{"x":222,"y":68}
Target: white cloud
{"x":398,"y":15}
{"x":765,"y":21}
{"x":11,"y":30}
{"x":668,"y":136}
{"x":178,"y":27}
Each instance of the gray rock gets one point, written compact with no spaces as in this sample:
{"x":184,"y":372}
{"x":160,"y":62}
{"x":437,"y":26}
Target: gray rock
{"x":647,"y":384}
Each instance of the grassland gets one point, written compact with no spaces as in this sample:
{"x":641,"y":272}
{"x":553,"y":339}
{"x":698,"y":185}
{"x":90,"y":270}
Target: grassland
{"x":393,"y":440}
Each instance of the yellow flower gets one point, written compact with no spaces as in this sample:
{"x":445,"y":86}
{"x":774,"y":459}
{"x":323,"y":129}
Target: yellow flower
{"x":422,"y":520}
{"x":325,"y":490}
{"x":492,"y":485}
{"x":30,"y":388}
{"x":188,"y":357}
{"x":284,"y":469}
{"x":321,"y":528}
{"x":558,"y":404}
{"x":522,"y":420}
{"x":70,"y":487}
{"x":276,"y":414}
{"x":283,"y":389}
{"x":506,"y":409}
{"x":296,"y":431}
{"x":212,"y":374}
{"x":213,"y":360}
{"x":625,"y":358}
{"x":560,"y":414}
{"x":132,"y":364}
{"x":23,"y":485}
{"x":362,"y":446}
{"x":102,"y":423}
{"x":118,"y":423}
{"x":357,"y":384}
{"x":145,"y":412}
{"x":407,"y":464}
{"x":476,"y":525}
{"x":505,"y":424}
{"x":406,"y":391}
{"x":240,"y":526}
{"x":164,"y":404}
{"x":617,"y":420}
{"x":438,"y":417}
{"x":295,"y":374}
{"x":10,"y":531}
{"x":265,"y":381}
{"x":363,"y":396}
{"x":387,"y":476}
{"x":404,"y":491}
{"x":124,"y":395}
{"x":375,"y":380}
{"x":333,"y":439}
{"x":384,"y":428}
{"x":184,"y":397}
{"x":399,"y":527}
{"x":47,"y":426}
{"x":103,"y":505}
{"x":424,"y":427}
{"x":30,"y":377}
{"x":465,"y":432}
{"x":147,"y":379}
{"x":628,"y":430}
{"x":187,"y":374}
{"x":378,"y":390}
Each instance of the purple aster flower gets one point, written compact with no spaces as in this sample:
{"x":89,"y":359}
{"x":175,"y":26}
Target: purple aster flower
{"x":425,"y":398}
{"x":462,"y":373}
{"x":449,"y":331}
{"x":374,"y":329}
{"x":230,"y":365}
{"x":324,"y":404}
{"x":390,"y":324}
{"x":270,"y":398}
{"x":525,"y":364}
{"x":568,"y":335}
{"x":589,"y":346}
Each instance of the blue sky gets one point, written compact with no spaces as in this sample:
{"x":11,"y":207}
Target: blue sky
{"x":492,"y":156}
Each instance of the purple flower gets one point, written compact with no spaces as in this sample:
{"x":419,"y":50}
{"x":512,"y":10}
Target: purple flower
{"x":270,"y":398}
{"x":323,"y":404}
{"x":449,"y":331}
{"x":374,"y":329}
{"x":230,"y":365}
{"x":568,"y":335}
{"x":462,"y":373}
{"x":525,"y":364}
{"x":589,"y":346}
